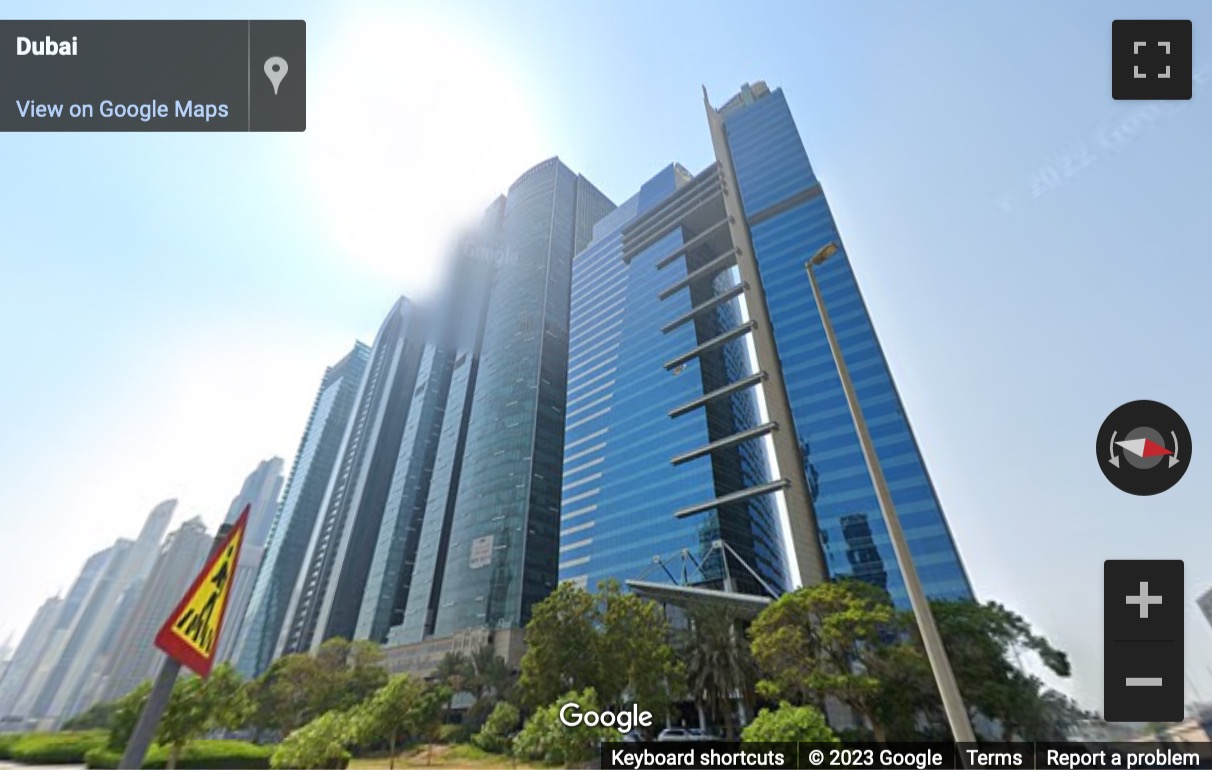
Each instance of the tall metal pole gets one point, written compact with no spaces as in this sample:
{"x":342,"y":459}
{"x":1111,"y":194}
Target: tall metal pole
{"x":145,"y":730}
{"x":157,"y":700}
{"x":953,"y":702}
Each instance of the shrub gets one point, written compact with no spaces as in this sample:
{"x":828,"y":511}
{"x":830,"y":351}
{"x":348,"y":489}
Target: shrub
{"x":451,"y":734}
{"x":321,"y":743}
{"x":501,"y":723}
{"x":67,"y":748}
{"x":198,"y":755}
{"x":790,"y":724}
{"x":546,"y":739}
{"x":6,"y":745}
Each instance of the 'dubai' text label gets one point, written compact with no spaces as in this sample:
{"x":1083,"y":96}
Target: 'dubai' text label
{"x":47,"y":47}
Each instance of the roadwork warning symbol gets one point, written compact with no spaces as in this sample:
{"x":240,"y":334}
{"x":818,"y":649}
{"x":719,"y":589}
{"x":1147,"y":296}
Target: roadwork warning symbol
{"x":191,"y":633}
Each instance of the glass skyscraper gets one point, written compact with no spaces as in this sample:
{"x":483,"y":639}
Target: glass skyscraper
{"x":781,"y":218}
{"x":663,"y":448}
{"x":486,"y":548}
{"x":706,"y":420}
{"x":29,"y":652}
{"x":390,"y":575}
{"x":462,"y":329}
{"x":501,"y":556}
{"x":136,"y":658}
{"x":292,"y":527}
{"x":328,"y":594}
{"x":261,"y":492}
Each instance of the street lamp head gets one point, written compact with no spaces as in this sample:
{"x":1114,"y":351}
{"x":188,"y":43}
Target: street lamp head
{"x":825,"y":252}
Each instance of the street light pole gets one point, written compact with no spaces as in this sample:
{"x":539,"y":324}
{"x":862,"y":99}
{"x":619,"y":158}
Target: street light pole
{"x":953,"y":703}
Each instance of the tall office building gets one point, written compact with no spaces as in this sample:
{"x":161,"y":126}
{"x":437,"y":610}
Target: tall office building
{"x":503,"y":537}
{"x":135,"y":656}
{"x":288,"y":538}
{"x":328,"y":593}
{"x":731,"y":245}
{"x":469,"y":287}
{"x":391,"y":567}
{"x":74,"y":627}
{"x":260,"y":492}
{"x":426,"y":475}
{"x":29,"y":651}
{"x":664,"y":449}
{"x":83,"y":686}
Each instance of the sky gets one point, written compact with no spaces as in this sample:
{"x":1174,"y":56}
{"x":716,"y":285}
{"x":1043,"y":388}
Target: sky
{"x":1033,"y":254}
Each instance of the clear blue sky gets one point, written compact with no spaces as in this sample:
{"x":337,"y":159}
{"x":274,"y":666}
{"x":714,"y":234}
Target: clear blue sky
{"x":168,"y":302}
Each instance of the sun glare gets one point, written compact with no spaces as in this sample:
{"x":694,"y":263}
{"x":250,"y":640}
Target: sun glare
{"x":412,"y":140}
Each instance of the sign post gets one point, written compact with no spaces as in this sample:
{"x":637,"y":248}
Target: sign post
{"x":190,"y":636}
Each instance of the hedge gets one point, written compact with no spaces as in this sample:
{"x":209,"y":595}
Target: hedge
{"x":198,"y":755}
{"x":66,"y":748}
{"x":6,"y":744}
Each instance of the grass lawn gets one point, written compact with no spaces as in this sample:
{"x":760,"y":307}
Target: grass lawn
{"x":461,"y":755}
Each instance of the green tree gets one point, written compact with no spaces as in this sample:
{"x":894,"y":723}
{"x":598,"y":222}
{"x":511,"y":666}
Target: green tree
{"x":981,"y":641}
{"x":719,"y":664}
{"x":199,"y":705}
{"x":638,"y":665}
{"x":390,"y":713}
{"x":347,"y":673}
{"x":455,"y":671}
{"x":1060,"y":715}
{"x":562,"y":645}
{"x":284,"y":697}
{"x":97,"y":717}
{"x":831,"y":639}
{"x":490,"y":674}
{"x":789,"y":724}
{"x":496,"y":734}
{"x":126,"y":716}
{"x":321,"y":744}
{"x":546,"y":739}
{"x":484,"y":675}
{"x":366,"y":672}
{"x":614,"y":642}
{"x":426,"y":715}
{"x":298,"y":688}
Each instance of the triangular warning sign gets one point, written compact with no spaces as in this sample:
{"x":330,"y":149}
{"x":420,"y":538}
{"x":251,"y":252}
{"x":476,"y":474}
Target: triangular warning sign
{"x":191,"y":633}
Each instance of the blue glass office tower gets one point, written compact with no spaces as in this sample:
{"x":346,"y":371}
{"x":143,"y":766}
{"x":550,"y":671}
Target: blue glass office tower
{"x":292,"y":527}
{"x":696,"y":347}
{"x":663,"y":449}
{"x":779,"y":219}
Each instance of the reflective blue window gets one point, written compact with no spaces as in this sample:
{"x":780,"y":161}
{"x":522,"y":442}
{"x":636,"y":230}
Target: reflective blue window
{"x":772,"y":167}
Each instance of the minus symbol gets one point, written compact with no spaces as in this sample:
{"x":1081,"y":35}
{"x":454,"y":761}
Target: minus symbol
{"x":1144,"y":681}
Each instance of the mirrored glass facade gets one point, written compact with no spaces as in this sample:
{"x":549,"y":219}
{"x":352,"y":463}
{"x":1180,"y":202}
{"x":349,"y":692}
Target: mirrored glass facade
{"x":395,"y":553}
{"x":647,"y":292}
{"x":292,"y":527}
{"x":503,"y":534}
{"x":789,"y":220}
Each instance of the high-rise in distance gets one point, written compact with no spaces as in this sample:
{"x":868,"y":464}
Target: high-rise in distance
{"x":292,"y":527}
{"x":260,"y":493}
{"x":136,"y":658}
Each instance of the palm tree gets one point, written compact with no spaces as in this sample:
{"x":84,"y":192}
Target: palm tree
{"x":719,"y":665}
{"x":490,"y":674}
